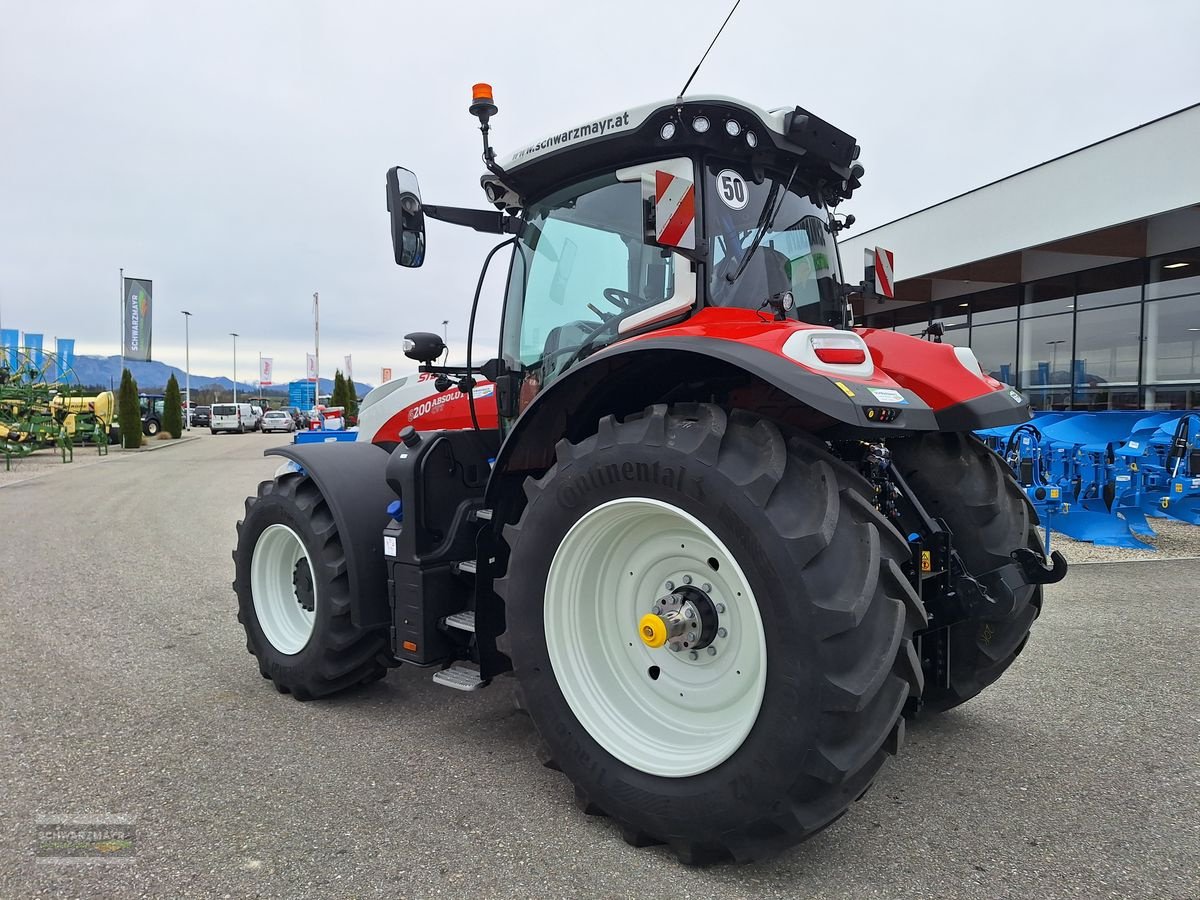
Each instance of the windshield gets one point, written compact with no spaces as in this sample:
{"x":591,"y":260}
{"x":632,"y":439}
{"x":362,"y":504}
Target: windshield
{"x":581,"y":267}
{"x":795,"y":254}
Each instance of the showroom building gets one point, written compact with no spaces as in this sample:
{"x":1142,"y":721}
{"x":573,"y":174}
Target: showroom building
{"x":1077,"y":280}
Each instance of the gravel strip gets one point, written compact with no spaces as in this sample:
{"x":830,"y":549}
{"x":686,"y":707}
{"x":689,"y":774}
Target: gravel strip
{"x":1174,"y":540}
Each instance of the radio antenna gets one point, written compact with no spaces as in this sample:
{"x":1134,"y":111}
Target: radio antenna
{"x":688,"y":83}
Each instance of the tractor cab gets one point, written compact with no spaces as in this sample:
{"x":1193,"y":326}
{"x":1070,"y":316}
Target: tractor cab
{"x":640,"y":219}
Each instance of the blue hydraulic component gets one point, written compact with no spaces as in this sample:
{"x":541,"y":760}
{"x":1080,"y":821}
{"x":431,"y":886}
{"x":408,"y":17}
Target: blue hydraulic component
{"x":395,"y":509}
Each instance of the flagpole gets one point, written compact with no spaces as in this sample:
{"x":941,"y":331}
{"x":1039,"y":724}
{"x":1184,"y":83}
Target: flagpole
{"x":317,"y":345}
{"x":121,"y":373}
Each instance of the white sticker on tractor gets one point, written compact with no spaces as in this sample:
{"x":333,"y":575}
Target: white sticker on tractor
{"x":389,"y":545}
{"x":1016,"y":396}
{"x":731,"y":188}
{"x":887,"y":395}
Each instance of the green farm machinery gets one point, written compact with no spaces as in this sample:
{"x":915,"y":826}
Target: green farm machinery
{"x":40,"y":408}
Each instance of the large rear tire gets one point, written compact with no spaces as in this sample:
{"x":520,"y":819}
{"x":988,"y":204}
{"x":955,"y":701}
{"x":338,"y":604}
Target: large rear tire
{"x":958,"y":479}
{"x":758,"y":740}
{"x":294,"y":595}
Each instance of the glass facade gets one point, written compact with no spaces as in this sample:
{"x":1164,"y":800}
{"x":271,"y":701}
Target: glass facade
{"x":1125,"y":336}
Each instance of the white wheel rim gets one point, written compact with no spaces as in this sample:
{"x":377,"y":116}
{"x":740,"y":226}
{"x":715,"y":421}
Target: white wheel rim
{"x":286,"y":624}
{"x":696,"y":713}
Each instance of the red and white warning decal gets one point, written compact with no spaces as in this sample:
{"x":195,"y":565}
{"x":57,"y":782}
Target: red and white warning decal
{"x":674,"y":210}
{"x":884,"y":280}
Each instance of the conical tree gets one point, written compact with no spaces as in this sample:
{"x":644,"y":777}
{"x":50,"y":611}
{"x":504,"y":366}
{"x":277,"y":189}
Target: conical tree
{"x":338,"y":397}
{"x":129,"y":413}
{"x":351,"y":403}
{"x":173,"y":409}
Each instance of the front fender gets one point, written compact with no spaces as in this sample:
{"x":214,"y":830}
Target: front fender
{"x":352,"y":477}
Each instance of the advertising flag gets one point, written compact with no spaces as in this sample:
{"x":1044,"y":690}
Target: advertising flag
{"x":266,"y":371}
{"x":312,"y":367}
{"x":138,"y":316}
{"x":8,"y":348}
{"x":64,"y":349}
{"x":385,"y":375}
{"x":33,"y":350}
{"x":349,"y":373}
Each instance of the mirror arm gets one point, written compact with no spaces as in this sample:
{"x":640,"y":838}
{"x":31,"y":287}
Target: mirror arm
{"x":479,"y":219}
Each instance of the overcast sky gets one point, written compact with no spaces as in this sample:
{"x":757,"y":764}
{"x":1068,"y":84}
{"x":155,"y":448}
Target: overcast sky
{"x":235,"y":152}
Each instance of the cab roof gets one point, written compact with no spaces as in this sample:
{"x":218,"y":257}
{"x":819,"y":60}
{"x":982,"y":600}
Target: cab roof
{"x":690,"y":126}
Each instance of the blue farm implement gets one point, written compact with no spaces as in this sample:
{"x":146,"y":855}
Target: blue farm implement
{"x":1100,"y":477}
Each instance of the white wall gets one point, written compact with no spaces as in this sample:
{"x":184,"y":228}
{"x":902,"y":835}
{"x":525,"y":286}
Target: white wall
{"x":1141,"y":173}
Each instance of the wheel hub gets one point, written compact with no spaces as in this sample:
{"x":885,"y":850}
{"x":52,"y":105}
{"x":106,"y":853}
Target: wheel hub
{"x":685,"y":619}
{"x":302,"y":581}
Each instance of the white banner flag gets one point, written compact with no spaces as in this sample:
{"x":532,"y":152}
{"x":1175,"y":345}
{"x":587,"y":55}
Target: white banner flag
{"x":312,"y":367}
{"x":266,"y":371}
{"x":349,"y":373}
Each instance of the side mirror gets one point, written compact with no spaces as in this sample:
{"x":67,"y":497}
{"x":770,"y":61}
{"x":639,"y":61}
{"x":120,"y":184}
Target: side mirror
{"x":423,"y":346}
{"x":408,"y":222}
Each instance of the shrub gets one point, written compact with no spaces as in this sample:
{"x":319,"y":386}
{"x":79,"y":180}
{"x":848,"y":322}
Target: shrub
{"x":173,"y":409}
{"x":129,"y":413}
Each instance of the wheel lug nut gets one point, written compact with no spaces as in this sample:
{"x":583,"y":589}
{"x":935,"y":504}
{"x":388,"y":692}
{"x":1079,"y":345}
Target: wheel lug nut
{"x":687,"y":579}
{"x":670,"y":585}
{"x":674,"y":648}
{"x":712,"y":651}
{"x":693,"y":655}
{"x":721,"y":632}
{"x":691,"y":637}
{"x":720,"y":607}
{"x":689,"y":613}
{"x":706,"y":587}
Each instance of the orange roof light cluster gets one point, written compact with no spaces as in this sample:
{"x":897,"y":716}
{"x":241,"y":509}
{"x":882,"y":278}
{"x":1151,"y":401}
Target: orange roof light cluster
{"x":481,"y":91}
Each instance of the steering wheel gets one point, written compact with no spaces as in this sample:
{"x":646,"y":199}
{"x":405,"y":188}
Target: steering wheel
{"x":622,"y":300}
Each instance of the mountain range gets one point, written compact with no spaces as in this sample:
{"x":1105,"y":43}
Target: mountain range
{"x":105,"y":371}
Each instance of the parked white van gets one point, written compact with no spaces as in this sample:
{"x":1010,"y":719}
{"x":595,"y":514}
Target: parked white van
{"x":231,"y":417}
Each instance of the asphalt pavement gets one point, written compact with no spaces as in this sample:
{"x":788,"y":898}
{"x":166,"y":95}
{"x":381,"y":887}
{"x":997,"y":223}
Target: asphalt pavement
{"x":127,"y":692}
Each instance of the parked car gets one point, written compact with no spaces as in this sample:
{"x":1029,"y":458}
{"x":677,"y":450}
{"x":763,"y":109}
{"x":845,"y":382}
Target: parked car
{"x":231,"y":417}
{"x":257,"y":413}
{"x":277,"y":420}
{"x":202,"y":416}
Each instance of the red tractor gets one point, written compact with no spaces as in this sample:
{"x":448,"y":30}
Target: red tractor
{"x":725,"y":541}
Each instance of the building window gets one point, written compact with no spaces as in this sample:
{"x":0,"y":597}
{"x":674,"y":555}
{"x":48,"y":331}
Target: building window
{"x":1174,"y":274}
{"x":1176,"y":396}
{"x":1051,"y":295}
{"x":998,"y":305}
{"x":1110,"y":285}
{"x":995,"y":346}
{"x":1107,"y":346}
{"x":1045,"y":363}
{"x":1172,"y":341}
{"x":1107,"y":397}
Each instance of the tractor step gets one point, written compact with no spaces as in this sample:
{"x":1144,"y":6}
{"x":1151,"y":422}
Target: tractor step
{"x":459,"y":677}
{"x":463,"y":621}
{"x":467,"y":565}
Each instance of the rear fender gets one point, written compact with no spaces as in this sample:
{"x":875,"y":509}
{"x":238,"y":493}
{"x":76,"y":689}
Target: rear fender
{"x":352,"y":478}
{"x":634,"y":374}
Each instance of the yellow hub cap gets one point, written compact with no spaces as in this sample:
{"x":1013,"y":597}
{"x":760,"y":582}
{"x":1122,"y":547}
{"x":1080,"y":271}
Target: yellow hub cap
{"x":652,"y":630}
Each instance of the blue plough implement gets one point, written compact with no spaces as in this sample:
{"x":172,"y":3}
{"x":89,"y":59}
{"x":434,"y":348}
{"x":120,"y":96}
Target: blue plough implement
{"x":1100,"y":477}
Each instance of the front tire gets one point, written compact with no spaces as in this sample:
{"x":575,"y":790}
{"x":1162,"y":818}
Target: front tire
{"x":294,"y":595}
{"x":748,"y":750}
{"x":152,"y":428}
{"x":958,"y":479}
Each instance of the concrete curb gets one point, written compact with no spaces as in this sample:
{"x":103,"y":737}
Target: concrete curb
{"x":159,"y":445}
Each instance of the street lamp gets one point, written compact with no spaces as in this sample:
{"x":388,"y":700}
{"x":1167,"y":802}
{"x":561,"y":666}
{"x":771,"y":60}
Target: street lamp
{"x":445,"y":331}
{"x":1054,"y":355}
{"x":234,"y":335}
{"x":187,"y":370}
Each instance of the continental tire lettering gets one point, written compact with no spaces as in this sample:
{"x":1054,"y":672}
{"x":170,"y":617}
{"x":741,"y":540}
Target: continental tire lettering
{"x":575,"y":489}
